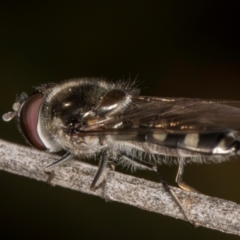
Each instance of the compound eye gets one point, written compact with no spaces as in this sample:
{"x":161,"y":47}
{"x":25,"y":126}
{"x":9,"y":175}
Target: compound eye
{"x":29,"y":118}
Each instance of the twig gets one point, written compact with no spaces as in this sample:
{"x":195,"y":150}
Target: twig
{"x":205,"y":211}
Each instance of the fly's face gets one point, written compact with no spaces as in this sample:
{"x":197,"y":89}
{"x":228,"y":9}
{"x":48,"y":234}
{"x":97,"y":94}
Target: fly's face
{"x":27,"y":111}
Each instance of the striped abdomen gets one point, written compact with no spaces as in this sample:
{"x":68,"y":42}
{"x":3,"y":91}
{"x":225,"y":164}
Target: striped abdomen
{"x":221,"y":143}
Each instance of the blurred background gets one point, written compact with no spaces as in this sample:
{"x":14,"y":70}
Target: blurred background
{"x":174,"y":48}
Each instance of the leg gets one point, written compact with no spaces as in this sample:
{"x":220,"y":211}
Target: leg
{"x":51,"y":176}
{"x":48,"y":169}
{"x":142,"y":163}
{"x":64,"y":158}
{"x":179,"y":181}
{"x":174,"y":197}
{"x":101,"y":169}
{"x":164,"y":183}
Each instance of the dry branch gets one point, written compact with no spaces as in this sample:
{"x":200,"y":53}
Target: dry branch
{"x":205,"y":211}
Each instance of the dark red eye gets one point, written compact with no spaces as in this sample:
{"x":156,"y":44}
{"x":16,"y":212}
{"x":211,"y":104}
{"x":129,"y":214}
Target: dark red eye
{"x":29,"y":120}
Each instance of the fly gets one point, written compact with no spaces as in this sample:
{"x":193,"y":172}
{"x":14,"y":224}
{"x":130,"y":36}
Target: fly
{"x":88,"y":117}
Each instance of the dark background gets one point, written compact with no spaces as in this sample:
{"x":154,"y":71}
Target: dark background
{"x":176,"y":48}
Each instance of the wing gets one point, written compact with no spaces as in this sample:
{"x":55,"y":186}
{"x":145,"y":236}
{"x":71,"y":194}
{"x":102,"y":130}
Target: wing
{"x":169,"y":115}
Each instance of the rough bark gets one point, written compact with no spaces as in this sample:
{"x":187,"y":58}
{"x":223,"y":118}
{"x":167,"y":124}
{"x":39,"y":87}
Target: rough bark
{"x":205,"y":211}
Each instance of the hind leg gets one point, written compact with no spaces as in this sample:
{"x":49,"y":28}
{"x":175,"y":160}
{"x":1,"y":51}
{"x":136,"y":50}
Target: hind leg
{"x":179,"y":177}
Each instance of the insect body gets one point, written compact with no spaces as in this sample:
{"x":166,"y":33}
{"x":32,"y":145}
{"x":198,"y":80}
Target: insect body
{"x":86,"y":117}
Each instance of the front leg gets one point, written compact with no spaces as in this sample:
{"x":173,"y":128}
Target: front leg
{"x":49,"y":168}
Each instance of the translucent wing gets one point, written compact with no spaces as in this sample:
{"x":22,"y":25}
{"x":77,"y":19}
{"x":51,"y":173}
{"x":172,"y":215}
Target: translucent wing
{"x":171,"y":115}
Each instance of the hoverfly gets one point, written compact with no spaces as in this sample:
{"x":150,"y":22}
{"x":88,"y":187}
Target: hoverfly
{"x":89,"y":116}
